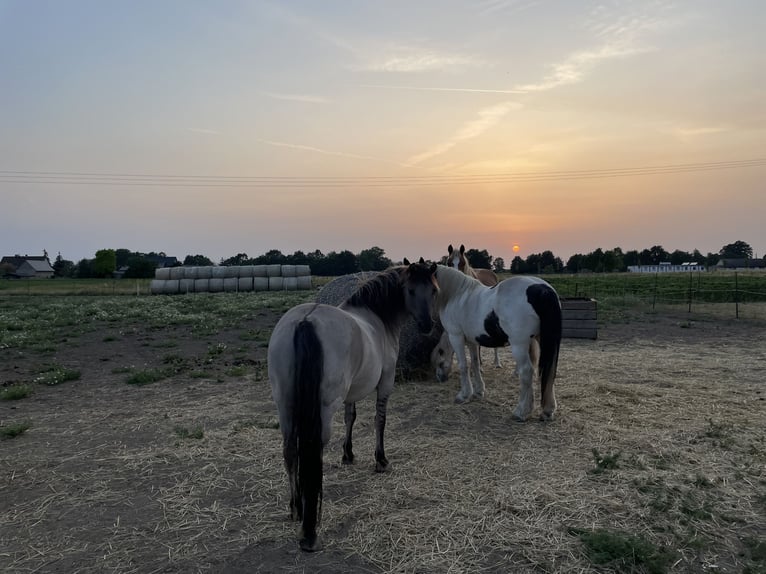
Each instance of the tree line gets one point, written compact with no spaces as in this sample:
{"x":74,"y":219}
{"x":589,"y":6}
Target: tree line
{"x":142,"y":265}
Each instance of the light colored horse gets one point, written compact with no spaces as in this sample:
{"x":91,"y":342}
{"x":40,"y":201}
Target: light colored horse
{"x":442,"y":354}
{"x":322,"y":358}
{"x":515,"y":312}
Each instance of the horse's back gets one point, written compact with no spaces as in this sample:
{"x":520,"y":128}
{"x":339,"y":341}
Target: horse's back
{"x":350,"y":351}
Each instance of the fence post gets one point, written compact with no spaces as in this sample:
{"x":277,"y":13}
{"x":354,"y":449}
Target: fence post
{"x":736,"y":294}
{"x":691,"y":277}
{"x":654,"y":293}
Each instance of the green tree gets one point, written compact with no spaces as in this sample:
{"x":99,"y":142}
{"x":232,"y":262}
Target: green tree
{"x":238,"y":259}
{"x":736,"y":250}
{"x":373,"y":259}
{"x":271,"y":257}
{"x":62,"y":267}
{"x":479,"y":259}
{"x":122,"y":256}
{"x":518,"y":265}
{"x":84,"y":269}
{"x":499,"y":265}
{"x":139,"y":267}
{"x":197,"y":261}
{"x":105,"y":263}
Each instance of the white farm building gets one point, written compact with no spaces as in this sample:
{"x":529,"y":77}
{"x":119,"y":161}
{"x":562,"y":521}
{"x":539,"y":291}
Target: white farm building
{"x":667,"y":267}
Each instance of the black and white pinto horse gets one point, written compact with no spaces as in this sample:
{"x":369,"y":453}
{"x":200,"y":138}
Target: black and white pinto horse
{"x":322,"y":358}
{"x":519,"y":311}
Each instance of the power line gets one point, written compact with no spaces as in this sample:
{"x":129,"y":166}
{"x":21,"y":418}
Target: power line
{"x":127,"y":179}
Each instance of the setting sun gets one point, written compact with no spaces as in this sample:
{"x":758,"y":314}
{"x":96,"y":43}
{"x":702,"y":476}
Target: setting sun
{"x":516,"y":248}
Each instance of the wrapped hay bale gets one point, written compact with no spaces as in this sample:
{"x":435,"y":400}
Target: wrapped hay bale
{"x":302,"y":271}
{"x":304,"y":282}
{"x":260,"y":283}
{"x":260,"y":271}
{"x":218,"y":272}
{"x":274,"y":270}
{"x":156,"y":286}
{"x":231,"y":284}
{"x":245,"y":284}
{"x":163,"y":273}
{"x":290,"y":283}
{"x":247,"y":270}
{"x":191,"y":272}
{"x":288,"y":271}
{"x":176,"y":272}
{"x":186,"y":285}
{"x":215,"y":285}
{"x":171,"y":286}
{"x":201,"y":285}
{"x":204,"y":272}
{"x":276,"y":283}
{"x":231,"y":271}
{"x":415,"y":348}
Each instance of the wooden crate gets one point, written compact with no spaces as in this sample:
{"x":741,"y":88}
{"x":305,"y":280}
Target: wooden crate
{"x":579,"y":318}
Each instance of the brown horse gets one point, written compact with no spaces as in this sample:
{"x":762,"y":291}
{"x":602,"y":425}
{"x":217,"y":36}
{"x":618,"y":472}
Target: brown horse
{"x":456,"y":258}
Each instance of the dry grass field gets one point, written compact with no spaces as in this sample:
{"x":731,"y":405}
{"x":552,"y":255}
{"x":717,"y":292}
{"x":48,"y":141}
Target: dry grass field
{"x":139,"y":436}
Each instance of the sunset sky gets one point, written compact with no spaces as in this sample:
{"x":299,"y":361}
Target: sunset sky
{"x":217,"y":128}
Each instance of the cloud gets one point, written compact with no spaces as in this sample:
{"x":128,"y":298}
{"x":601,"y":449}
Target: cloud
{"x":204,"y":131}
{"x":621,"y":34}
{"x":313,"y":149}
{"x":487,"y":118}
{"x":297,"y":98}
{"x":489,"y":7}
{"x":420,"y":62}
{"x":434,"y":89}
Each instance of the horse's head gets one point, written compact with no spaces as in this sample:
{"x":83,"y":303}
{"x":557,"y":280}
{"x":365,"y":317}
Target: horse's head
{"x":456,"y":258}
{"x":441,"y":358}
{"x":420,"y":289}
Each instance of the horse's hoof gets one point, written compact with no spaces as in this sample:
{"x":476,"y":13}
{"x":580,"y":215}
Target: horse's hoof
{"x":518,"y":418}
{"x":381,"y":467}
{"x":459,"y":400}
{"x":348,"y":459}
{"x":310,"y":544}
{"x":546,"y":417}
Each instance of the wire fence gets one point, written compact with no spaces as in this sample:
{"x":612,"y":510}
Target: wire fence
{"x":733,"y":294}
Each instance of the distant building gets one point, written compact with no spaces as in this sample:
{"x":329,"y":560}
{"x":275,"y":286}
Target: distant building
{"x":741,"y":264}
{"x":163,"y":261}
{"x":667,"y":267}
{"x":27,"y":266}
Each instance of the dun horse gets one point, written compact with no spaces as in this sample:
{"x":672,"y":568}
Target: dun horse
{"x":442,"y":354}
{"x":322,"y":358}
{"x":518,"y":311}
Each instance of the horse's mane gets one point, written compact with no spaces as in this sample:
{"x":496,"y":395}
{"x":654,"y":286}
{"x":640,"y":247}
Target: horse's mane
{"x":453,"y":281}
{"x":383,"y":295}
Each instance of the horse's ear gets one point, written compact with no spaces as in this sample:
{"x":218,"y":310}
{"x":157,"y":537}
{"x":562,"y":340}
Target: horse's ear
{"x":432,"y":269}
{"x":422,"y":261}
{"x":450,"y":249}
{"x":462,"y":249}
{"x":406,"y":261}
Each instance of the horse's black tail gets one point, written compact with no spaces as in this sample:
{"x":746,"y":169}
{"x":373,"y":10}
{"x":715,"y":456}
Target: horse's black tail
{"x":308,"y":420}
{"x":545,"y":302}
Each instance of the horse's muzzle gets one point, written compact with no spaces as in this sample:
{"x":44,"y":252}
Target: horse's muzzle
{"x":425,"y":325}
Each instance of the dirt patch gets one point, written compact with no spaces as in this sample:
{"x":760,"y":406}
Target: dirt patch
{"x":110,"y":477}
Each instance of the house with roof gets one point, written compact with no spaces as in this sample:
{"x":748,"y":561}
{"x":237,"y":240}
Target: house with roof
{"x":741,"y":264}
{"x":26,"y":266}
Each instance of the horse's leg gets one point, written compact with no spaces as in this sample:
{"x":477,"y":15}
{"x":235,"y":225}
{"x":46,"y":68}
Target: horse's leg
{"x":381,"y":462}
{"x":290,"y":453}
{"x":526,"y":371}
{"x":349,"y":418}
{"x":478,"y":380}
{"x":466,"y":389}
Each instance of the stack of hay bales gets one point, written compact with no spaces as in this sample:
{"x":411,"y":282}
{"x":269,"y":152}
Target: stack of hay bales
{"x":235,"y":278}
{"x":415,"y":348}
